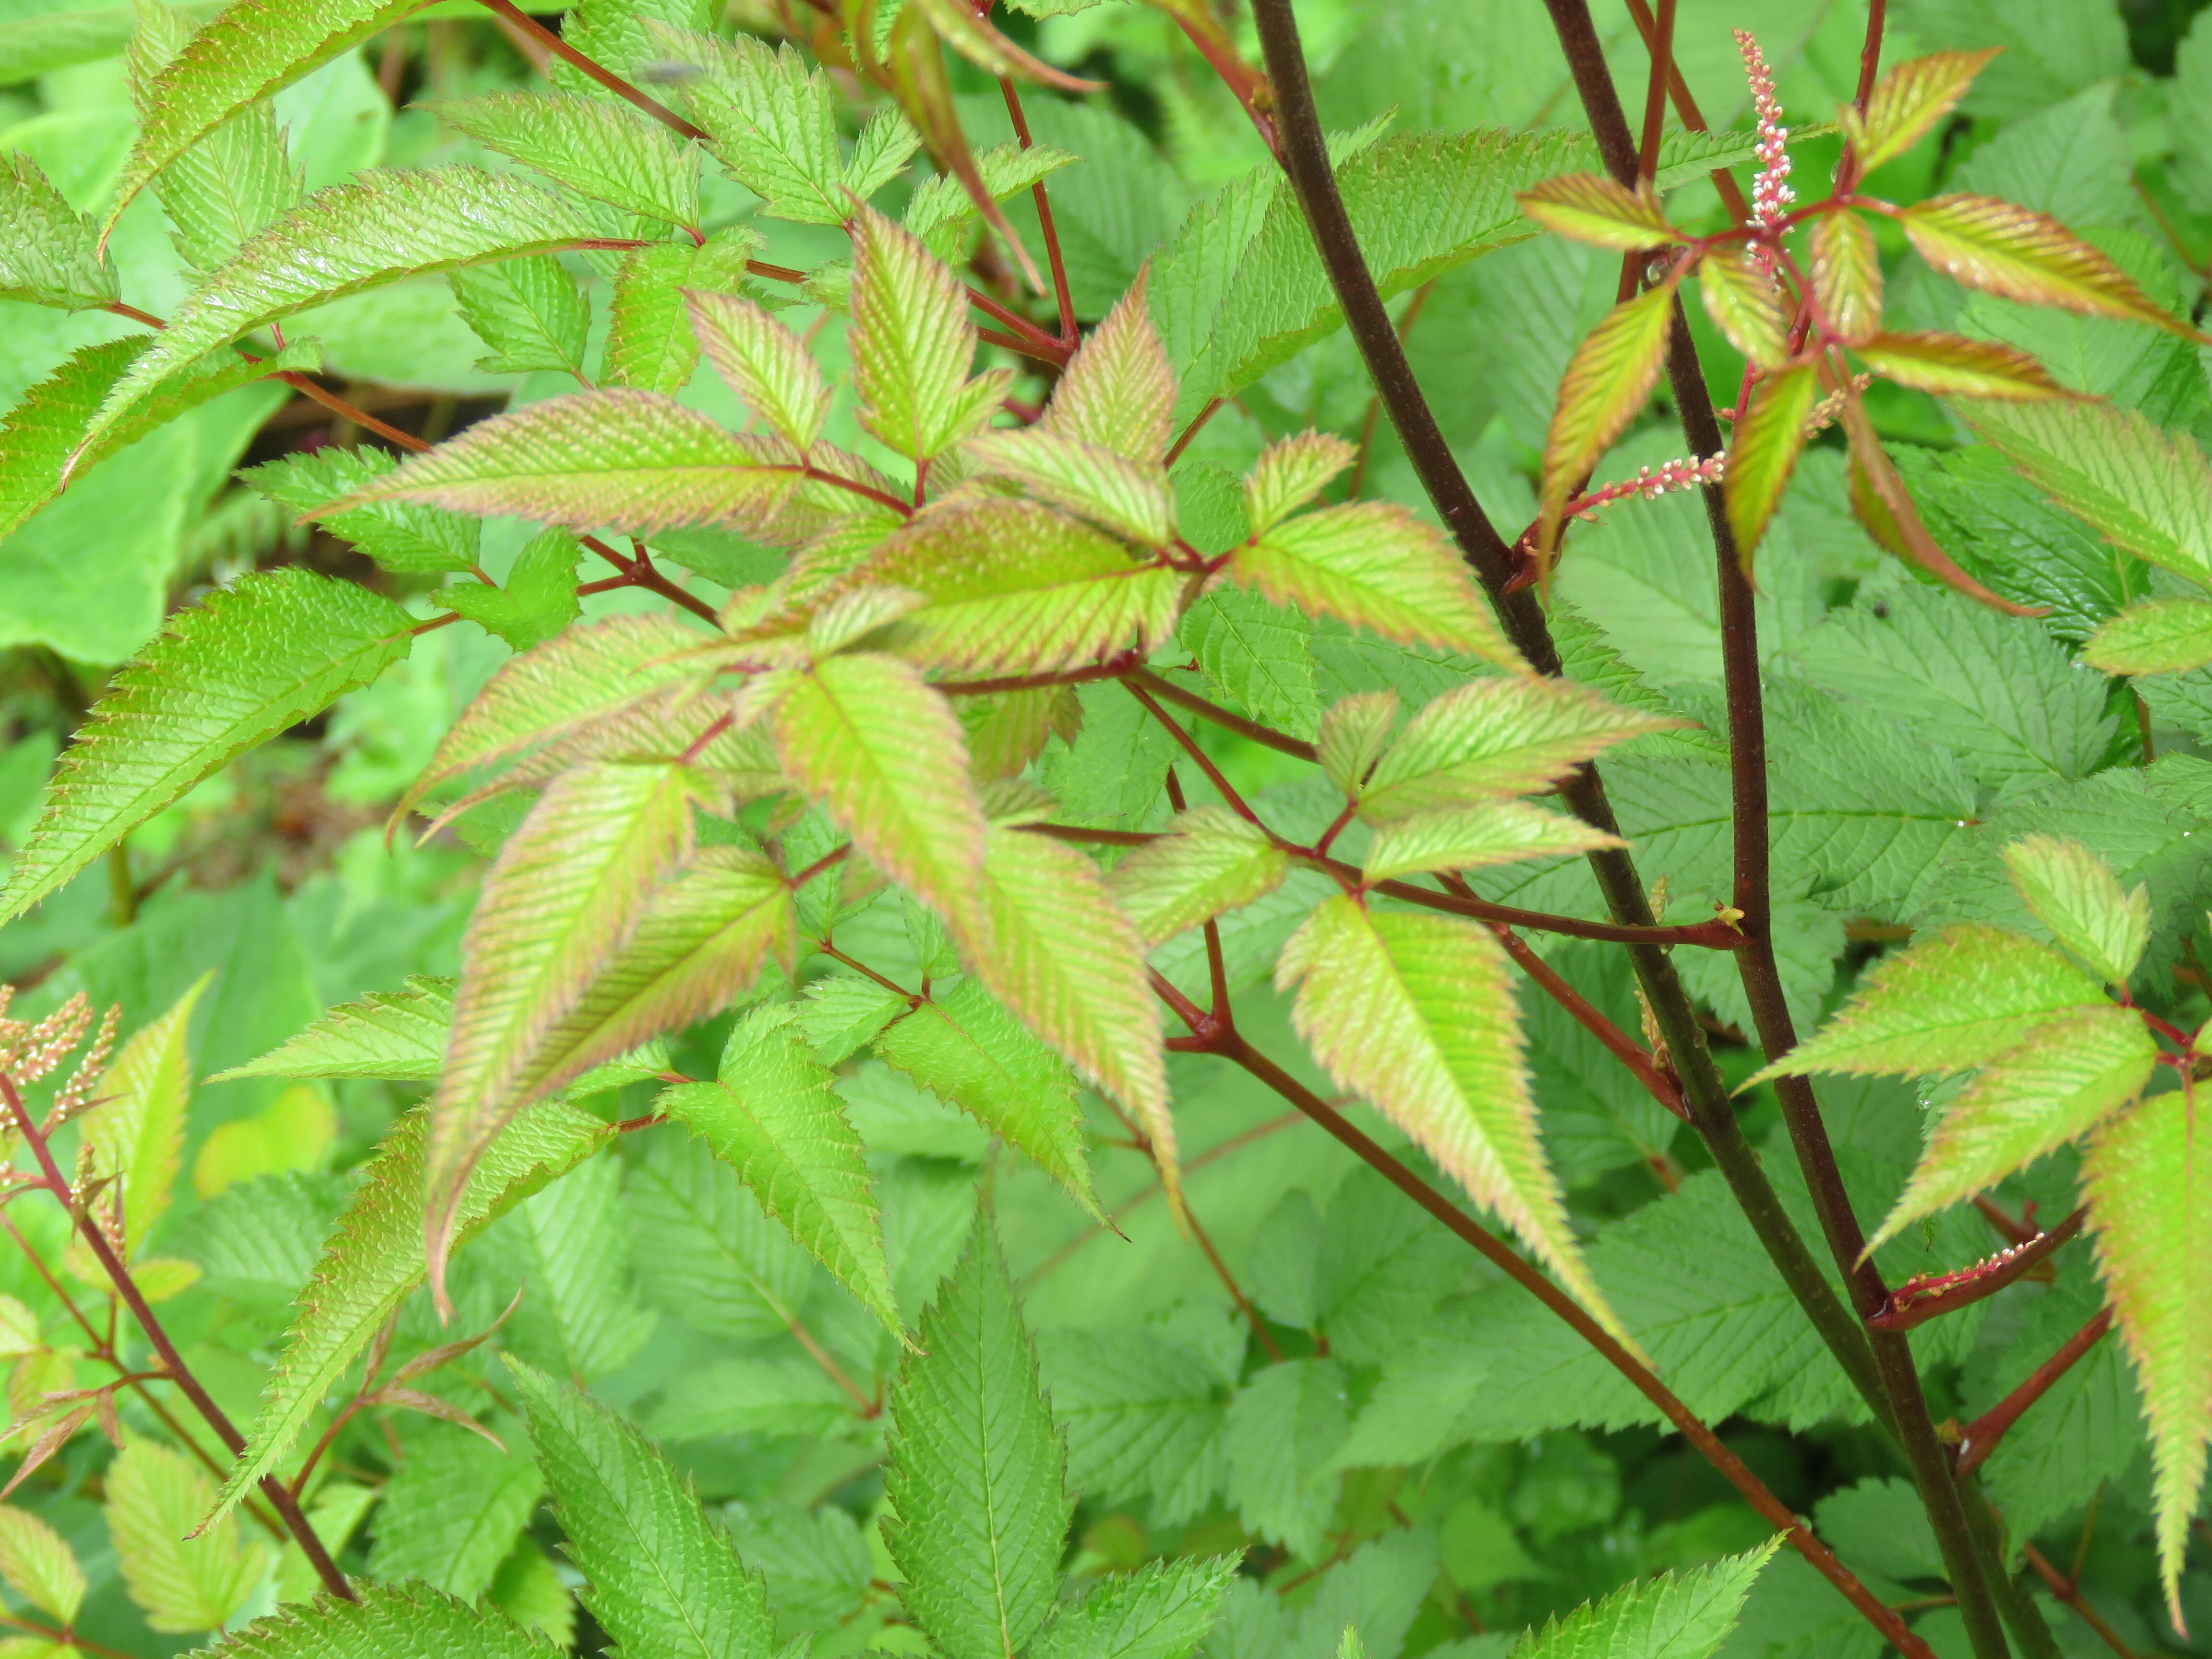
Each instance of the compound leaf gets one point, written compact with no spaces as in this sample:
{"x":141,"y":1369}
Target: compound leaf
{"x":2153,"y":636}
{"x":185,"y":1581}
{"x":1208,"y":861}
{"x":597,"y":146}
{"x":1684,"y":1615}
{"x":48,"y":253}
{"x":912,"y":344}
{"x":406,"y":1620}
{"x":2003,"y":248}
{"x":2074,"y":894}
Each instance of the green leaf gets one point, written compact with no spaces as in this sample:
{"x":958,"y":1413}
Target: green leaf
{"x":1210,"y":860}
{"x":1290,"y":473}
{"x":786,"y":1396}
{"x":626,"y":460}
{"x":1608,"y":380}
{"x":1908,"y":102}
{"x":135,"y":1136}
{"x":1375,"y":565}
{"x":1943,"y":1004}
{"x":1118,"y":391}
{"x":1353,"y":735}
{"x":567,"y":890}
{"x":1470,"y":837}
{"x":1587,"y":207}
{"x":382,"y":228}
{"x":388,"y":1621}
{"x":2060,"y":1081}
{"x":650,"y":343}
{"x":1684,"y":1615}
{"x":973,"y":1478}
{"x":770,"y":120}
{"x":597,"y":146}
{"x":2149,"y":1187}
{"x":1502,"y":735}
{"x":226,"y":675}
{"x":404,"y":539}
{"x":765,"y":364}
{"x":882,"y":754}
{"x":453,"y":1511}
{"x":529,"y":311}
{"x":964,"y":1048}
{"x":1130,"y":498}
{"x":2153,"y":636}
{"x":912,"y":344}
{"x":375,"y":1259}
{"x":1745,"y":306}
{"x":944,"y":216}
{"x":1847,"y":274}
{"x":52,"y":257}
{"x":569,"y":1245}
{"x":538,"y":600}
{"x":773,"y":1115}
{"x":881,"y":151}
{"x":2001,"y":248}
{"x":2074,"y":894}
{"x":39,"y":1565}
{"x":1141,"y":1418}
{"x":185,"y":1580}
{"x":1065,"y":961}
{"x":1162,"y":1611}
{"x":1258,"y":655}
{"x":664,"y":1579}
{"x":1281,"y":1429}
{"x":1415,"y":1013}
{"x":248,"y":51}
{"x":1768,"y":441}
{"x":1951,"y":365}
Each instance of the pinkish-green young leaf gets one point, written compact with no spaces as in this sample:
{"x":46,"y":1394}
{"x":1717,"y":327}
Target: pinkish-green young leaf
{"x":1375,"y":565}
{"x":1769,"y":437}
{"x":2001,"y":248}
{"x":1745,"y":306}
{"x":2150,"y":1186}
{"x":764,"y":363}
{"x":2057,"y":1082}
{"x":1119,"y":391}
{"x":1133,"y":499}
{"x":135,"y":1135}
{"x":1471,"y":837}
{"x":881,"y":752}
{"x":1290,"y":473}
{"x":1951,"y":365}
{"x":1908,"y":102}
{"x":650,"y":343}
{"x":625,"y":460}
{"x":1847,"y":274}
{"x":563,"y":897}
{"x":2074,"y":894}
{"x":1586,"y":207}
{"x":1415,"y":1013}
{"x":1607,"y":382}
{"x":912,"y":344}
{"x":1210,"y":860}
{"x":1353,"y":734}
{"x":2153,"y":636}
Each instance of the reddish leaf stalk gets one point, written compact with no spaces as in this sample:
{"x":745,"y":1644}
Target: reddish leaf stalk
{"x":2069,"y":1591}
{"x":1028,"y":337}
{"x":1168,"y":691}
{"x":553,"y":43}
{"x":126,"y":1288}
{"x":1919,"y":1300}
{"x":1982,"y":1435}
{"x":1693,"y":119}
{"x":1051,"y":232}
{"x":1618,"y":1043}
{"x":1189,"y":744}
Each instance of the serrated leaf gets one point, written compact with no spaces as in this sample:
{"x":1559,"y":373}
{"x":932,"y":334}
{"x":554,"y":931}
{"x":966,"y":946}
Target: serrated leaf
{"x":1352,"y":736}
{"x":566,"y":892}
{"x":1472,"y":837}
{"x":1118,"y":391}
{"x":387,"y":1621}
{"x":974,"y":1469}
{"x":135,"y":1136}
{"x":2146,"y":491}
{"x":226,"y":674}
{"x":1375,"y":565}
{"x":622,"y":459}
{"x":597,"y":146}
{"x":1745,"y":306}
{"x":912,"y":344}
{"x":1064,"y":960}
{"x":39,"y":1565}
{"x":2001,"y":248}
{"x":650,"y":343}
{"x":49,"y":254}
{"x":536,"y":601}
{"x":1885,"y":507}
{"x":770,"y":118}
{"x":764,"y":363}
{"x":1847,"y":274}
{"x":943,"y":214}
{"x":662,"y":1578}
{"x":384,"y":227}
{"x":774,"y":1116}
{"x":881,"y":152}
{"x":1587,"y":207}
{"x":964,"y":1049}
{"x":1290,"y":473}
{"x":1908,"y":102}
{"x":529,"y":311}
{"x":2153,"y":636}
{"x":2074,"y":894}
{"x":1415,"y":1013}
{"x":375,"y":1261}
{"x":452,"y":1512}
{"x":1208,"y":861}
{"x":1278,"y":1438}
{"x":1686,"y":1615}
{"x":399,"y":1034}
{"x":184,"y":1580}
{"x":250,"y":50}
{"x":1500,"y":736}
{"x":1607,"y":382}
{"x":1130,"y":498}
{"x":405,"y":539}
{"x":1258,"y":656}
{"x":1163,"y":1610}
{"x":1958,"y":1000}
{"x":1951,"y":365}
{"x":882,"y":754}
{"x":2059,"y":1082}
{"x":1769,"y":438}
{"x":2149,"y":1187}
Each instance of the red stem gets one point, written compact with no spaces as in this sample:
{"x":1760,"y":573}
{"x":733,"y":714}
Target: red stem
{"x":553,"y":43}
{"x":1617,"y":1042}
{"x":1168,"y":691}
{"x":1189,"y":744}
{"x":1982,"y":1435}
{"x":1052,"y":254}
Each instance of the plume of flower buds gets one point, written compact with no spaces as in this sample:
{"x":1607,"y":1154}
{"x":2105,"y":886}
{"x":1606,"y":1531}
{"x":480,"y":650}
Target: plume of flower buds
{"x":1770,"y":195}
{"x":1650,"y":483}
{"x":1823,"y":415}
